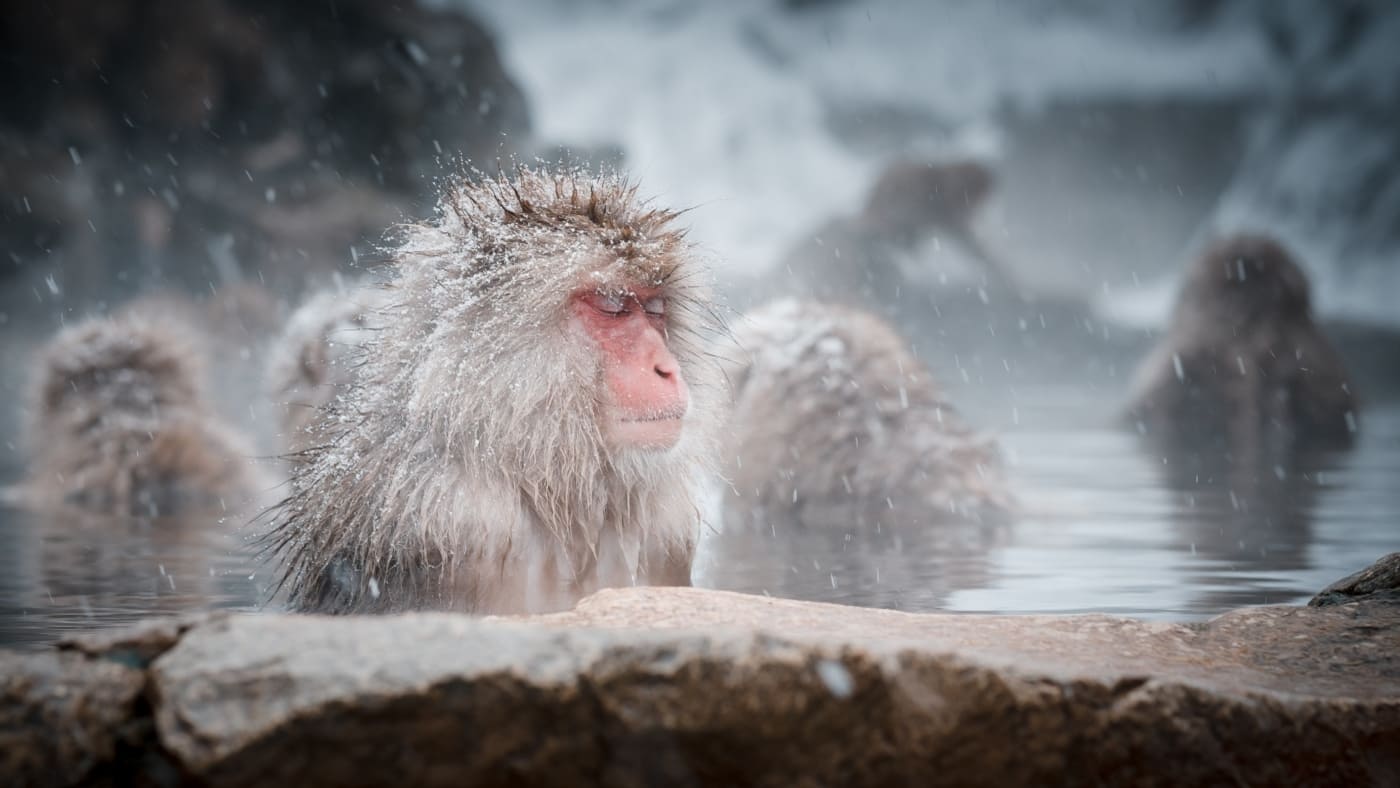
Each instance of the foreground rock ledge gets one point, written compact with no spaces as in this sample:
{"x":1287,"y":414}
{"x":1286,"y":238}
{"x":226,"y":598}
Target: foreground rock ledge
{"x":683,"y":686}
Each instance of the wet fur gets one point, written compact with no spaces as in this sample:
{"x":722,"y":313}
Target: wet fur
{"x":1258,"y":382}
{"x":463,"y":466}
{"x":833,"y":414}
{"x":120,"y":424}
{"x":314,"y":358}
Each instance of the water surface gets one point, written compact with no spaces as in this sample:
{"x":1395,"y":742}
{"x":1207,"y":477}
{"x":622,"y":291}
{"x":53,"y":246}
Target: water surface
{"x":1100,"y":531}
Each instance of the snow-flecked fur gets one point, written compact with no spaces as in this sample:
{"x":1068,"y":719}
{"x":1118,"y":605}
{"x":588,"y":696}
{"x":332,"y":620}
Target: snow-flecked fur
{"x":119,"y":423}
{"x":463,"y":466}
{"x":314,"y":357}
{"x":834,"y":415}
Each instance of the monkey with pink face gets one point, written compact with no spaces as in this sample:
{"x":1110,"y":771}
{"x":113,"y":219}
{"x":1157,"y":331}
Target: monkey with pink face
{"x":528,"y":417}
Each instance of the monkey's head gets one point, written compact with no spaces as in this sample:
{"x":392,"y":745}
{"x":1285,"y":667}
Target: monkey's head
{"x":563,"y":316}
{"x":105,"y":365}
{"x":912,"y":198}
{"x":1246,"y":279}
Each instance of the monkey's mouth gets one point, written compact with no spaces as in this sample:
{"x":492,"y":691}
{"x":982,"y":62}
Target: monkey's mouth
{"x":652,"y":430}
{"x":675,"y":414}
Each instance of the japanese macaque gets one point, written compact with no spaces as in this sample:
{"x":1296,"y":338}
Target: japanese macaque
{"x":835,"y":418}
{"x":243,"y":315}
{"x":530,"y":418}
{"x":314,"y":358}
{"x":234,"y":324}
{"x":856,"y":260}
{"x":1244,"y":378}
{"x":120,"y":424}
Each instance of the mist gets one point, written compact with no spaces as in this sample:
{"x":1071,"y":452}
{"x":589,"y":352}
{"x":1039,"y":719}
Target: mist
{"x":235,"y":157}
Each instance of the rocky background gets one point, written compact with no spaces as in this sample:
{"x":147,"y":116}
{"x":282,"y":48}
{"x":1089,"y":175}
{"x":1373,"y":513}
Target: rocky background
{"x":199,"y":145}
{"x":195,"y":145}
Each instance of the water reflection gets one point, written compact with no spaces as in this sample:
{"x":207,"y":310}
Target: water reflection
{"x":1247,"y":518}
{"x":1249,"y":521}
{"x":68,"y":570}
{"x":1103,"y":527}
{"x":880,"y":557}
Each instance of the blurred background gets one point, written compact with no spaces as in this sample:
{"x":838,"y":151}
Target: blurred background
{"x":236,"y":154}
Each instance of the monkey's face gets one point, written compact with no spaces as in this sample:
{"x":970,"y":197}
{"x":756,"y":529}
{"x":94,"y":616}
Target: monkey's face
{"x":644,"y":395}
{"x":1248,"y":279}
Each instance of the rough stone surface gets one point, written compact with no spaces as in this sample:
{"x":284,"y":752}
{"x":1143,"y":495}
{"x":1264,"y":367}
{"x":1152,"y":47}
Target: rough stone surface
{"x":139,"y":644}
{"x":1378,"y":582}
{"x":691,"y":687}
{"x":683,"y":686}
{"x":1278,"y":648}
{"x":63,"y":716}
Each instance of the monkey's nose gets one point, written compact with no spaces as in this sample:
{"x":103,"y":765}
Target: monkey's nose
{"x":664,"y":364}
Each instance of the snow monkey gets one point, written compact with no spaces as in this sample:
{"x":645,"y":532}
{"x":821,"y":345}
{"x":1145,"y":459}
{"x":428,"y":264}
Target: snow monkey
{"x":856,"y":259}
{"x":529,"y":418}
{"x":119,"y":423}
{"x":834,"y":416}
{"x":313,"y":358}
{"x":1244,"y":377}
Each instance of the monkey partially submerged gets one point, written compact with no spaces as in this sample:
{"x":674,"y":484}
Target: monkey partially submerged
{"x":1244,"y":377}
{"x":529,"y":418}
{"x":835,"y":418}
{"x":314,"y":358}
{"x":120,"y":424}
{"x":855,"y":260}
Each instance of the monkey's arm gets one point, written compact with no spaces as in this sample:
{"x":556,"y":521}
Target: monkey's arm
{"x":997,"y":271}
{"x":1159,"y":391}
{"x":1324,"y":404}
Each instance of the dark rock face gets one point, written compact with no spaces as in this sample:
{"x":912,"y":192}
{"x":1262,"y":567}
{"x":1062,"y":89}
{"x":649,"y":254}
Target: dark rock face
{"x":690,"y":687}
{"x":139,"y":644}
{"x":221,"y":139}
{"x":1377,"y":582}
{"x":63,"y":717}
{"x":921,"y":700}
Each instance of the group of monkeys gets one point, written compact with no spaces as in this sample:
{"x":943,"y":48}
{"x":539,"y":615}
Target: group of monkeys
{"x":540,"y":395}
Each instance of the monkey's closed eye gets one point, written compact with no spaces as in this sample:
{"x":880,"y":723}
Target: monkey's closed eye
{"x":610,"y":303}
{"x":655,"y":305}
